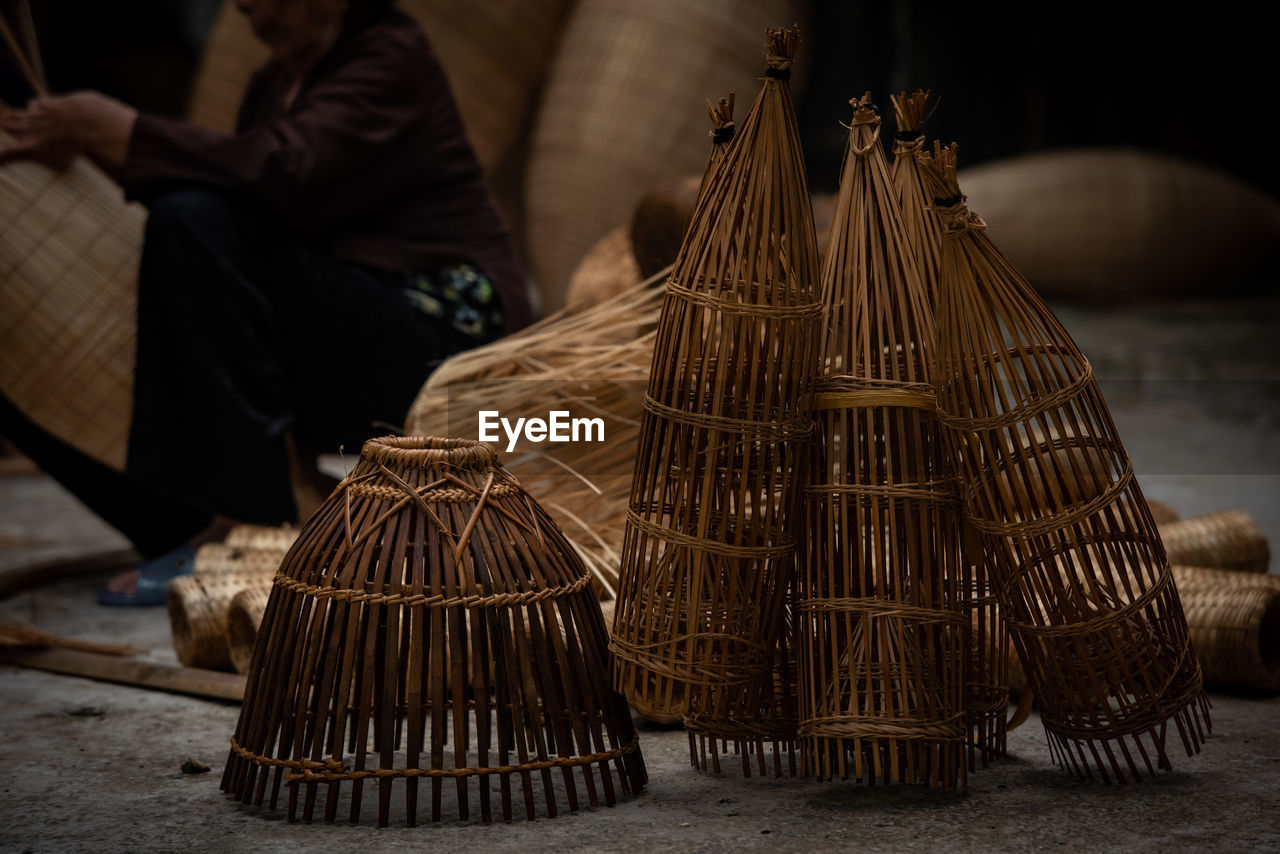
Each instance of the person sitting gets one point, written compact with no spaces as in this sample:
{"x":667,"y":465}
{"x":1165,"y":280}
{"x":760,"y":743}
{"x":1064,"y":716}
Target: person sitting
{"x":299,"y":278}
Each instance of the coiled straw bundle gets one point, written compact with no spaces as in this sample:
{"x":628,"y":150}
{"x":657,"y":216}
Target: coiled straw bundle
{"x":882,"y":627}
{"x":986,"y":676}
{"x":431,"y":622}
{"x":710,"y":530}
{"x":1083,"y":583}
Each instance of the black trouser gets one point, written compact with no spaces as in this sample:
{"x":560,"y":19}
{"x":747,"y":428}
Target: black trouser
{"x":244,"y":335}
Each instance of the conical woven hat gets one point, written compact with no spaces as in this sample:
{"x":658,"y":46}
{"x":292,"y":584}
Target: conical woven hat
{"x":432,"y":622}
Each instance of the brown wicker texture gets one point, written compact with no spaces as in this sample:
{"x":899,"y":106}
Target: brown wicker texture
{"x":261,"y":537}
{"x":244,"y":618}
{"x":69,"y":250}
{"x":594,"y":360}
{"x":1234,"y":622}
{"x":622,"y":111}
{"x":1083,"y":583}
{"x":1124,"y":223}
{"x":431,"y":622}
{"x":198,"y":606}
{"x":987,"y":663}
{"x":609,"y":268}
{"x":768,"y":734}
{"x":1228,"y":539}
{"x":1162,"y":513}
{"x":214,"y":559}
{"x":881,"y":624}
{"x":495,"y":55}
{"x":231,"y":54}
{"x":710,"y":534}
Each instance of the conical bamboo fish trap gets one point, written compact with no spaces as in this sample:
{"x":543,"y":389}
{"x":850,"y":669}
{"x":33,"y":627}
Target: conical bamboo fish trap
{"x":594,"y":360}
{"x":986,"y":675}
{"x":432,"y":622}
{"x":1229,"y":539}
{"x":1084,"y":586}
{"x":881,"y":623}
{"x":709,"y":540}
{"x":1233,"y":619}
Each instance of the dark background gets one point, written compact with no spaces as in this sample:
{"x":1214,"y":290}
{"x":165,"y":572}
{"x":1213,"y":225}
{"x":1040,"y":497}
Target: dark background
{"x":1012,"y":78}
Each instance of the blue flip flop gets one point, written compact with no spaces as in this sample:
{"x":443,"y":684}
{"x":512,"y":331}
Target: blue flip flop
{"x":153,"y":580}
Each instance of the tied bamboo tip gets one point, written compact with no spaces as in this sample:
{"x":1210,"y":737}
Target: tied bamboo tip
{"x":721,"y":112}
{"x":864,"y":110}
{"x":780,"y":45}
{"x":909,"y":111}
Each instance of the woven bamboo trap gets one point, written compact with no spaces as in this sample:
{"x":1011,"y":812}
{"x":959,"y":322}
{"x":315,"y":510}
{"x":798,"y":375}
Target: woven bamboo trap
{"x":881,"y":625}
{"x":199,"y":604}
{"x":432,"y":624}
{"x":1230,"y":539}
{"x":1083,"y":582}
{"x":709,"y":541}
{"x":596,"y":361}
{"x":986,"y":678}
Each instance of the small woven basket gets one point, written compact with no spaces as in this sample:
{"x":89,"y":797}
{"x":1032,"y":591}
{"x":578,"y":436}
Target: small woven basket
{"x":1082,"y":579}
{"x":244,"y":618}
{"x":709,"y":542}
{"x":1229,"y":539}
{"x":432,"y":624}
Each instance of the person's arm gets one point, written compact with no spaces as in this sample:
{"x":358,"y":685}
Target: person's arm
{"x":54,"y":130}
{"x":313,"y":167}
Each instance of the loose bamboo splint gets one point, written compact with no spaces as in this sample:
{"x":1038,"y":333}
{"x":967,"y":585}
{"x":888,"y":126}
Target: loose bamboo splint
{"x":709,"y":542}
{"x":595,"y":361}
{"x":432,"y":622}
{"x":881,"y":624}
{"x":986,"y":675}
{"x":1083,"y":581}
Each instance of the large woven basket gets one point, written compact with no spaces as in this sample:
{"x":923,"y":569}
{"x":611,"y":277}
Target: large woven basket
{"x":69,"y":252}
{"x":710,"y":534}
{"x":432,"y":629}
{"x":1123,"y":223}
{"x":1083,"y":582}
{"x":1230,"y":539}
{"x":622,"y":110}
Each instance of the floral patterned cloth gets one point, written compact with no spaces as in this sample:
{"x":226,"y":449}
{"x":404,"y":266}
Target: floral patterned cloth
{"x":462,"y":295}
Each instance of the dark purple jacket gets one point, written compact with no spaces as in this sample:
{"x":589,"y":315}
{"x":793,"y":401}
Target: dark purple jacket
{"x":371,"y":159}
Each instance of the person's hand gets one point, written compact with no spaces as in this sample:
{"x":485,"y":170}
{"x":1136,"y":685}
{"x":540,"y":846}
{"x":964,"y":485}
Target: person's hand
{"x":54,"y":130}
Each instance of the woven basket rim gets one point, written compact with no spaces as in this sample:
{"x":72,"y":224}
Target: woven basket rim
{"x":429,"y":451}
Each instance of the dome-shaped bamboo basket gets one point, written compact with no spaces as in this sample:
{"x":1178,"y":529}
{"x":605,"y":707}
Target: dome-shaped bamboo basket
{"x":431,"y":622}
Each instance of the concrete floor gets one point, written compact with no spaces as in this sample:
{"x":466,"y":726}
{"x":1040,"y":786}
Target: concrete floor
{"x":1195,"y":390}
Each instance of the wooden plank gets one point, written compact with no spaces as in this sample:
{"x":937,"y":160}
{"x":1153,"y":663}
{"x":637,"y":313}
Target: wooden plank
{"x":155,"y":676}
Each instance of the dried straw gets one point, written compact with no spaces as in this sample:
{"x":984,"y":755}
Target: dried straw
{"x":432,"y":622}
{"x":1083,"y":583}
{"x":882,"y":628}
{"x":1229,"y":539}
{"x":594,"y":361}
{"x":710,"y":529}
